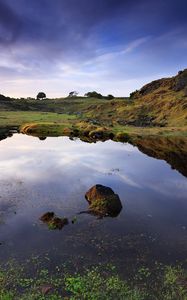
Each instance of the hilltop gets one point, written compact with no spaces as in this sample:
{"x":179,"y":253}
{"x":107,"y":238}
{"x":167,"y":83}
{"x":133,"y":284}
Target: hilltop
{"x":165,"y":100}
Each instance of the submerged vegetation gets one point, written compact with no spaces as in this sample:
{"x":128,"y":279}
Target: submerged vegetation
{"x":96,"y":283}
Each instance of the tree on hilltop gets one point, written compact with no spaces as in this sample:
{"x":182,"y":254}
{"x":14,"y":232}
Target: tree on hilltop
{"x":40,"y":96}
{"x":73,"y":94}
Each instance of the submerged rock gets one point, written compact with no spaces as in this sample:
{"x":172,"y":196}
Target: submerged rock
{"x":103,"y":201}
{"x":47,"y":217}
{"x":53,"y":221}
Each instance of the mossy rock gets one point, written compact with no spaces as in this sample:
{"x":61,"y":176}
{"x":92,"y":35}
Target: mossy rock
{"x":103,"y":201}
{"x":53,"y":222}
{"x":123,"y":137}
{"x":28,"y":128}
{"x":101,"y":133}
{"x":57,"y":223}
{"x":47,"y":217}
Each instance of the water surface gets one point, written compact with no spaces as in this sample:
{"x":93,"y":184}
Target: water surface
{"x":53,"y":175}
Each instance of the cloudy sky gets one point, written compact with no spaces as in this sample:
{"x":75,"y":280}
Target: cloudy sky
{"x":111,"y":46}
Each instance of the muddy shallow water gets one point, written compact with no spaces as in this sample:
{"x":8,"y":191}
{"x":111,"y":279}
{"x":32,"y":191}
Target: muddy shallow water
{"x":54,"y":175}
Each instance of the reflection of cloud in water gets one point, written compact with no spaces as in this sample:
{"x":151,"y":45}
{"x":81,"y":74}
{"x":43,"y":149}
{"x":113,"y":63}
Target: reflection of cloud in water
{"x":98,"y":168}
{"x":60,"y":159}
{"x":171,"y":187}
{"x":57,"y":158}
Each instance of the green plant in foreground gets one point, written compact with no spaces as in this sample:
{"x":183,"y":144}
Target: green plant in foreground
{"x":99,"y":283}
{"x":174,"y":284}
{"x":6,"y":296}
{"x":94,"y":286}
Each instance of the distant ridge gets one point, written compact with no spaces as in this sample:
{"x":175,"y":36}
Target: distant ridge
{"x":176,"y":83}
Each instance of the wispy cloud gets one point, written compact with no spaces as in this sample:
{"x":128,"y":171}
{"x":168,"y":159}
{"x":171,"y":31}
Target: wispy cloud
{"x":115,"y":54}
{"x":113,"y":46}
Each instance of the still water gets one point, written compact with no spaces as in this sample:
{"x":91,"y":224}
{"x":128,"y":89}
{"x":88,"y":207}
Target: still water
{"x":54,"y":175}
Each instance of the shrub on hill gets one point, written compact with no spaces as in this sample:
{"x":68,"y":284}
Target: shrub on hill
{"x":94,"y":94}
{"x":4,"y":98}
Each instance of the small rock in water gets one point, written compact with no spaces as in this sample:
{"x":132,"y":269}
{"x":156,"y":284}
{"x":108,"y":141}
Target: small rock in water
{"x":53,"y":221}
{"x":47,"y":217}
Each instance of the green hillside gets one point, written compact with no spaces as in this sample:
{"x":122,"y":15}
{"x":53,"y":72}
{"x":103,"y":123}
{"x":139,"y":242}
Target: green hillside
{"x":160,"y":106}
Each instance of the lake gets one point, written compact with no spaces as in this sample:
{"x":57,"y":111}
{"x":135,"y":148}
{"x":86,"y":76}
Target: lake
{"x":37,"y":176}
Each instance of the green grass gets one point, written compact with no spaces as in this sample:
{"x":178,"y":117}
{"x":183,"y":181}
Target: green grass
{"x":17,"y":118}
{"x":51,"y":117}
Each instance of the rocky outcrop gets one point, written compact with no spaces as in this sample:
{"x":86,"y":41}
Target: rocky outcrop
{"x":176,"y":83}
{"x":103,"y":201}
{"x":180,"y":81}
{"x":154,"y":85}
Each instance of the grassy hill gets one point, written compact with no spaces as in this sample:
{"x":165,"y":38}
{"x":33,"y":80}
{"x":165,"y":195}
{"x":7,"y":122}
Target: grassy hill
{"x":159,"y":105}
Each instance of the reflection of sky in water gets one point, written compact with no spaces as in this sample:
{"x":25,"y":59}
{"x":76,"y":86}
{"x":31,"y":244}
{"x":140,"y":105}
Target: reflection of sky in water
{"x":37,"y":176}
{"x":27,"y":158}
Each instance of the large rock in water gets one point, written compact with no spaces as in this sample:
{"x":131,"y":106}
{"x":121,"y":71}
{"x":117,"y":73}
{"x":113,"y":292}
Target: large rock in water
{"x":103,"y":201}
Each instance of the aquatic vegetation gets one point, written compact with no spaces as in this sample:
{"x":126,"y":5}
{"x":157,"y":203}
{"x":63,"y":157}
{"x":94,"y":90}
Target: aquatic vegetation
{"x":97,"y":283}
{"x":94,"y":286}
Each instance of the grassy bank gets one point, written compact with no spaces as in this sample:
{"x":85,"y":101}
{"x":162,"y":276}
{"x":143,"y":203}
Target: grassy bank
{"x":18,"y":118}
{"x":58,"y":124}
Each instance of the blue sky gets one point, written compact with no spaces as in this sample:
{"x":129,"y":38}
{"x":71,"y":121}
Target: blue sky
{"x":111,"y":46}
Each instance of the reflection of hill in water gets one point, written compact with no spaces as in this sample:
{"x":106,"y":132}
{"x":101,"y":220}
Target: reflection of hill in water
{"x":172,"y":149}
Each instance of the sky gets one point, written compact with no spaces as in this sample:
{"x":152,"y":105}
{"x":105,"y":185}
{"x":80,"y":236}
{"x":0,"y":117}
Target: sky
{"x":111,"y":46}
